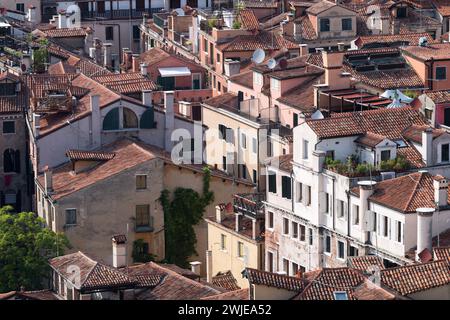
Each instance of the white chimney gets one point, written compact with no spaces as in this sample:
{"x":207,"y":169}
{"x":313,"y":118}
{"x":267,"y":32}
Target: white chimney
{"x":219,"y":214}
{"x":318,"y":160}
{"x":147,"y":97}
{"x":440,"y":185}
{"x":119,"y":244}
{"x":62,"y":20}
{"x":341,"y":46}
{"x":232,"y":67}
{"x":48,"y":180}
{"x":195,"y":267}
{"x":238,"y":217}
{"x":424,"y":229}
{"x":168,"y":119}
{"x":144,"y":69}
{"x":366,"y":189}
{"x":255,"y":226}
{"x":36,"y":124}
{"x":427,"y":146}
{"x":96,"y":120}
{"x":209,"y":266}
{"x":107,"y":56}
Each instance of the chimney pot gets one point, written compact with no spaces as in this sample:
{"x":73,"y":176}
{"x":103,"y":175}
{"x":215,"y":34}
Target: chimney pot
{"x":440,"y":191}
{"x":144,"y":69}
{"x":195,"y":267}
{"x":424,"y":229}
{"x":119,"y":244}
{"x":427,"y":146}
{"x":219,"y":214}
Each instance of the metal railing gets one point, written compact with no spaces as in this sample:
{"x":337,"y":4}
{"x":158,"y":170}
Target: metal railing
{"x":119,"y":14}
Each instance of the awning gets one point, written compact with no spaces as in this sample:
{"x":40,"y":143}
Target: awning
{"x":174,"y":72}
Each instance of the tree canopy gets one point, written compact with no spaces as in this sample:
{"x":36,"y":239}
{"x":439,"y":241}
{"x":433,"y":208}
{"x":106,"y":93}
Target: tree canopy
{"x":25,"y":247}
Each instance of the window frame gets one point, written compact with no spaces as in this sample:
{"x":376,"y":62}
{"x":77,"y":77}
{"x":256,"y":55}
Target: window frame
{"x":66,"y":211}
{"x":13,"y":122}
{"x":324,"y":22}
{"x":443,"y":76}
{"x":343,"y":24}
{"x":144,"y":177}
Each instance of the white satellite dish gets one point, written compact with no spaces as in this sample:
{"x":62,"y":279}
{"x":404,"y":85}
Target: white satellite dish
{"x":272,"y":63}
{"x":317,"y":115}
{"x":258,"y":56}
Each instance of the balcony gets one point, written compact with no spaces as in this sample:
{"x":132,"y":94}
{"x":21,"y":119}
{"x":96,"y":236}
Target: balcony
{"x":249,"y":204}
{"x":118,"y":14}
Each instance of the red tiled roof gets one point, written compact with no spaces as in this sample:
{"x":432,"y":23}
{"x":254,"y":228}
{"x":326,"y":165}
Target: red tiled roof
{"x":411,"y":38}
{"x":265,"y":41}
{"x":241,"y":294}
{"x":442,"y":6}
{"x":260,"y":3}
{"x":322,"y":6}
{"x":301,"y":97}
{"x":307,"y":29}
{"x":370,"y":139}
{"x":248,"y":19}
{"x":436,"y":51}
{"x":442,"y":253}
{"x":439,"y":96}
{"x":269,"y":279}
{"x":414,"y":133}
{"x":124,"y":83}
{"x":365,"y":263}
{"x":89,"y":155}
{"x":417,"y":277}
{"x":66,"y":32}
{"x":225,"y":280}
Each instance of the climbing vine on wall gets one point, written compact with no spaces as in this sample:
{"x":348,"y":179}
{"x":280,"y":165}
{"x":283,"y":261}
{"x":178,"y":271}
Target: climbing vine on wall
{"x":182,"y":211}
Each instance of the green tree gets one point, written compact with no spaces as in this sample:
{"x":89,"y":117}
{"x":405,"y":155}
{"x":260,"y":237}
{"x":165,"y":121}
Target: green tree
{"x":25,"y":247}
{"x":181,"y":214}
{"x":40,"y":56}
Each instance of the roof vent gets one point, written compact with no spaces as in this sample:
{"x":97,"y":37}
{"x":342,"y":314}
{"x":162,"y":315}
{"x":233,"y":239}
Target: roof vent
{"x":423,"y":42}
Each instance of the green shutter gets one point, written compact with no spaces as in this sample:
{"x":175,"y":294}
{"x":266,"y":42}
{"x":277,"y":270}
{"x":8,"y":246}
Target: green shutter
{"x":147,"y":119}
{"x":111,"y":121}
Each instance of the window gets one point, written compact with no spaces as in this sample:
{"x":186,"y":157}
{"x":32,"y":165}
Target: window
{"x":257,"y":78}
{"x":9,"y":127}
{"x":308,"y":196}
{"x":441,"y":73}
{"x":141,"y":181}
{"x":340,"y":295}
{"x":255,"y":176}
{"x":224,"y":163}
{"x":129,"y":119}
{"x":399,"y":232}
{"x":294,"y":269}
{"x":222,"y":132}
{"x":341,"y":208}
{"x":217,"y":57}
{"x":341,"y":253}
{"x":327,"y":248}
{"x":143,"y":217}
{"x":100,"y":6}
{"x":240,"y":249}
{"x":270,"y":261}
{"x":147,"y":120}
{"x":269,"y":148}
{"x":347,"y":24}
{"x":109,"y":33}
{"x":305,"y":149}
{"x":219,"y":86}
{"x":294,"y":230}
{"x":385,"y":226}
{"x":324,"y":25}
{"x":272,"y":182}
{"x":295,"y":120}
{"x":111,"y":120}
{"x":205,"y":45}
{"x":223,"y":242}
{"x":270,"y":219}
{"x":302,"y":232}
{"x":353,"y":252}
{"x":286,"y":187}
{"x":401,"y":12}
{"x":140,"y":5}
{"x":285,"y":226}
{"x":244,"y":171}
{"x":196,"y":81}
{"x":330,"y":154}
{"x":20,"y":7}
{"x":385,"y":155}
{"x":445,"y":148}
{"x":311,"y":234}
{"x":299,"y":192}
{"x":136,"y":33}
{"x":327,"y":203}
{"x":286,"y":266}
{"x":10,"y":198}
{"x":254,"y":145}
{"x":11,"y":161}
{"x":355,"y":214}
{"x":244,"y":141}
{"x":8,"y":89}
{"x":71,"y":216}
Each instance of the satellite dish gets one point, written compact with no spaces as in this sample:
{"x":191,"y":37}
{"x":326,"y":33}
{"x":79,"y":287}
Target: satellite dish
{"x":258,"y":56}
{"x":272,"y":63}
{"x":283,"y":63}
{"x":317,"y":115}
{"x":423,"y":41}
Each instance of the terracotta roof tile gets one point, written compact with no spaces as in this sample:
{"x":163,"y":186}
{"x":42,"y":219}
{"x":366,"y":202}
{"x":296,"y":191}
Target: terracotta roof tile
{"x":370,"y":139}
{"x":439,"y":96}
{"x":248,"y":19}
{"x":417,"y":277}
{"x":442,"y":6}
{"x":414,"y":133}
{"x":260,"y":3}
{"x":225,"y":280}
{"x":410,"y":39}
{"x":241,"y":294}
{"x":442,"y":253}
{"x":265,"y":41}
{"x":435,"y":51}
{"x":269,"y":279}
{"x":66,"y":32}
{"x":89,"y":155}
{"x":365,"y":263}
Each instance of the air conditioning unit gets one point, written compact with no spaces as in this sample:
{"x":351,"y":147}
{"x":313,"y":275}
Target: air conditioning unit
{"x":369,"y":221}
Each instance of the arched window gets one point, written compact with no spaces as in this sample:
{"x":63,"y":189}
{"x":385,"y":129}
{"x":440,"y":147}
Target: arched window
{"x":11,"y":161}
{"x":148,"y":119}
{"x":111,"y":120}
{"x":130,"y":119}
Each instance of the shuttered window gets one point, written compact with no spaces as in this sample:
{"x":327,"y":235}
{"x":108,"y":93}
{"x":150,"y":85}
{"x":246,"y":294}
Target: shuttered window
{"x":286,"y":187}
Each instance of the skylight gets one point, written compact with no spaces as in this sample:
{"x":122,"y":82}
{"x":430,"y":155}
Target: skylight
{"x":340,"y":295}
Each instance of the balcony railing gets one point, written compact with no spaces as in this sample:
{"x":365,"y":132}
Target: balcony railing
{"x":118,"y":14}
{"x":250,"y":204}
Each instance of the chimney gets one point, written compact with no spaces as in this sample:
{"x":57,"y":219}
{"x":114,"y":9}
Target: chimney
{"x":107,"y":57}
{"x":135,"y":67}
{"x":32,"y":14}
{"x":48,"y":180}
{"x":195,"y":267}
{"x":440,"y":185}
{"x":119,"y":244}
{"x":209,"y":266}
{"x":143,"y":69}
{"x":62,"y":20}
{"x":424,"y":230}
{"x":232,"y":67}
{"x":36,"y":124}
{"x":366,"y":189}
{"x":147,"y":98}
{"x":254,"y":229}
{"x":219,"y":214}
{"x":427,"y":146}
{"x":318,"y":160}
{"x":168,"y":119}
{"x":341,"y":46}
{"x":303,"y":50}
{"x":96,"y":120}
{"x":238,"y":217}
{"x":334,"y":77}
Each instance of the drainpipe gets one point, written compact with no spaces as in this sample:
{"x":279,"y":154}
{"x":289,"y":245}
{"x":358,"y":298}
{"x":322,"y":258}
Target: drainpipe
{"x":430,"y":74}
{"x":347,"y":192}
